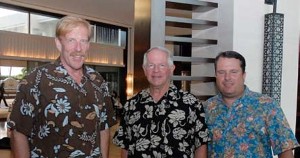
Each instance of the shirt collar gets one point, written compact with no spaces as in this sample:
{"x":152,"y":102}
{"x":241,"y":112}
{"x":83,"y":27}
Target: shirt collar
{"x":245,"y":93}
{"x":87,"y":71}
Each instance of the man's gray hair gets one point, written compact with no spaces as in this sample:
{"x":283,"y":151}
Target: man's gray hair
{"x":163,"y":49}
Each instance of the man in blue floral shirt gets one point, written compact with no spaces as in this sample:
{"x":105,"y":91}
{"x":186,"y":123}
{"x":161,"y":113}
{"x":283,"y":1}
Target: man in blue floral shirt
{"x":243,"y":123}
{"x":162,"y":121}
{"x":63,"y":109}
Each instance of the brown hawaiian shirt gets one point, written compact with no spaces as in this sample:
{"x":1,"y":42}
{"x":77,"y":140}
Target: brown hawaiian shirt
{"x":60,"y":117}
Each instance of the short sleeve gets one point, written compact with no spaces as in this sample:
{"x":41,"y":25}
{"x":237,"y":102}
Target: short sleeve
{"x":108,"y":117}
{"x":23,"y":107}
{"x":201,"y":130}
{"x":282,"y":137}
{"x":107,"y":114}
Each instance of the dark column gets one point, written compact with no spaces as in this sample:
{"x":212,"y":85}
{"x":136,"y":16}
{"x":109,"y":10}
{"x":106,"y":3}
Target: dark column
{"x":273,"y":48}
{"x":141,"y":41}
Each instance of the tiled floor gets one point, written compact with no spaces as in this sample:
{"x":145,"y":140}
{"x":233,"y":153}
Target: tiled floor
{"x":2,"y":129}
{"x":3,"y":111}
{"x":113,"y":153}
{"x":4,"y":153}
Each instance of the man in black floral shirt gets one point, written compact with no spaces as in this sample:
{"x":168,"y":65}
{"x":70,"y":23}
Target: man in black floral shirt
{"x":162,"y":121}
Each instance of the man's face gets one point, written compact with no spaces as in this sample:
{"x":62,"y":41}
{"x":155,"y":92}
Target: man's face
{"x":157,"y":70}
{"x":230,"y":78}
{"x":73,"y":47}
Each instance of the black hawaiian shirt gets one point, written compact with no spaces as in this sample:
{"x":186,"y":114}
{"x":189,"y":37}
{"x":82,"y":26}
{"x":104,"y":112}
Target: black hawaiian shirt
{"x":172,"y":127}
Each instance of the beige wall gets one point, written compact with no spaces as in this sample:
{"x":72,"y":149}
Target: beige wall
{"x":245,"y":30}
{"x":116,"y":12}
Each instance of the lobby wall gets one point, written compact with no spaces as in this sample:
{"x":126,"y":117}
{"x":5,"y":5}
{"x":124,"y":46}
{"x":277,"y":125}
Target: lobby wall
{"x":243,"y":32}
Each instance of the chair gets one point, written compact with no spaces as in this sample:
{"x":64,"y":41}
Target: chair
{"x":10,"y":87}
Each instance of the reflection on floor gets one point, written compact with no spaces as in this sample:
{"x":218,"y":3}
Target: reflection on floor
{"x":3,"y":116}
{"x":114,"y":152}
{"x":5,"y":153}
{"x":3,"y":129}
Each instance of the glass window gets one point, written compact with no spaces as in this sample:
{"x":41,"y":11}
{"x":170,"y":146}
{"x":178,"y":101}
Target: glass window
{"x":93,"y":33}
{"x":108,"y":35}
{"x":42,"y":25}
{"x":122,"y":38}
{"x":12,"y":20}
{"x":10,"y":71}
{"x":111,"y":75}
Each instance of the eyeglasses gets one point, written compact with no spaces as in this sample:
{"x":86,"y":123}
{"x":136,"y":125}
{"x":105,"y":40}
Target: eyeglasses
{"x":158,"y":66}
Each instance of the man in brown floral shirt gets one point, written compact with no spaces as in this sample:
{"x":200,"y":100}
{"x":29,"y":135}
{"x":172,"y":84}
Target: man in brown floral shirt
{"x":63,"y":109}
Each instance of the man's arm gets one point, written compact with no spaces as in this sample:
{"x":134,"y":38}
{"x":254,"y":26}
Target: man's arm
{"x":19,"y":144}
{"x":104,"y":142}
{"x":286,"y":154}
{"x":201,"y":152}
{"x":124,"y":153}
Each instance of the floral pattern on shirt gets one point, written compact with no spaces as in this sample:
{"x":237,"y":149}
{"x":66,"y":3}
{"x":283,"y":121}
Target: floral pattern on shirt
{"x":172,"y":127}
{"x":253,"y":126}
{"x":60,"y":117}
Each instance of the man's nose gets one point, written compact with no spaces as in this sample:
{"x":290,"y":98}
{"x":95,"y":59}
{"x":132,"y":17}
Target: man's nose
{"x":78,"y":46}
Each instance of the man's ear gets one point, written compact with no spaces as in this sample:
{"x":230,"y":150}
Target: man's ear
{"x":58,"y":44}
{"x":173,"y":68}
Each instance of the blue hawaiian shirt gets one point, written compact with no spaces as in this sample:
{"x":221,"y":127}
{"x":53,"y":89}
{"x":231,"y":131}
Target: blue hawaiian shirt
{"x":253,"y":126}
{"x":60,"y":117}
